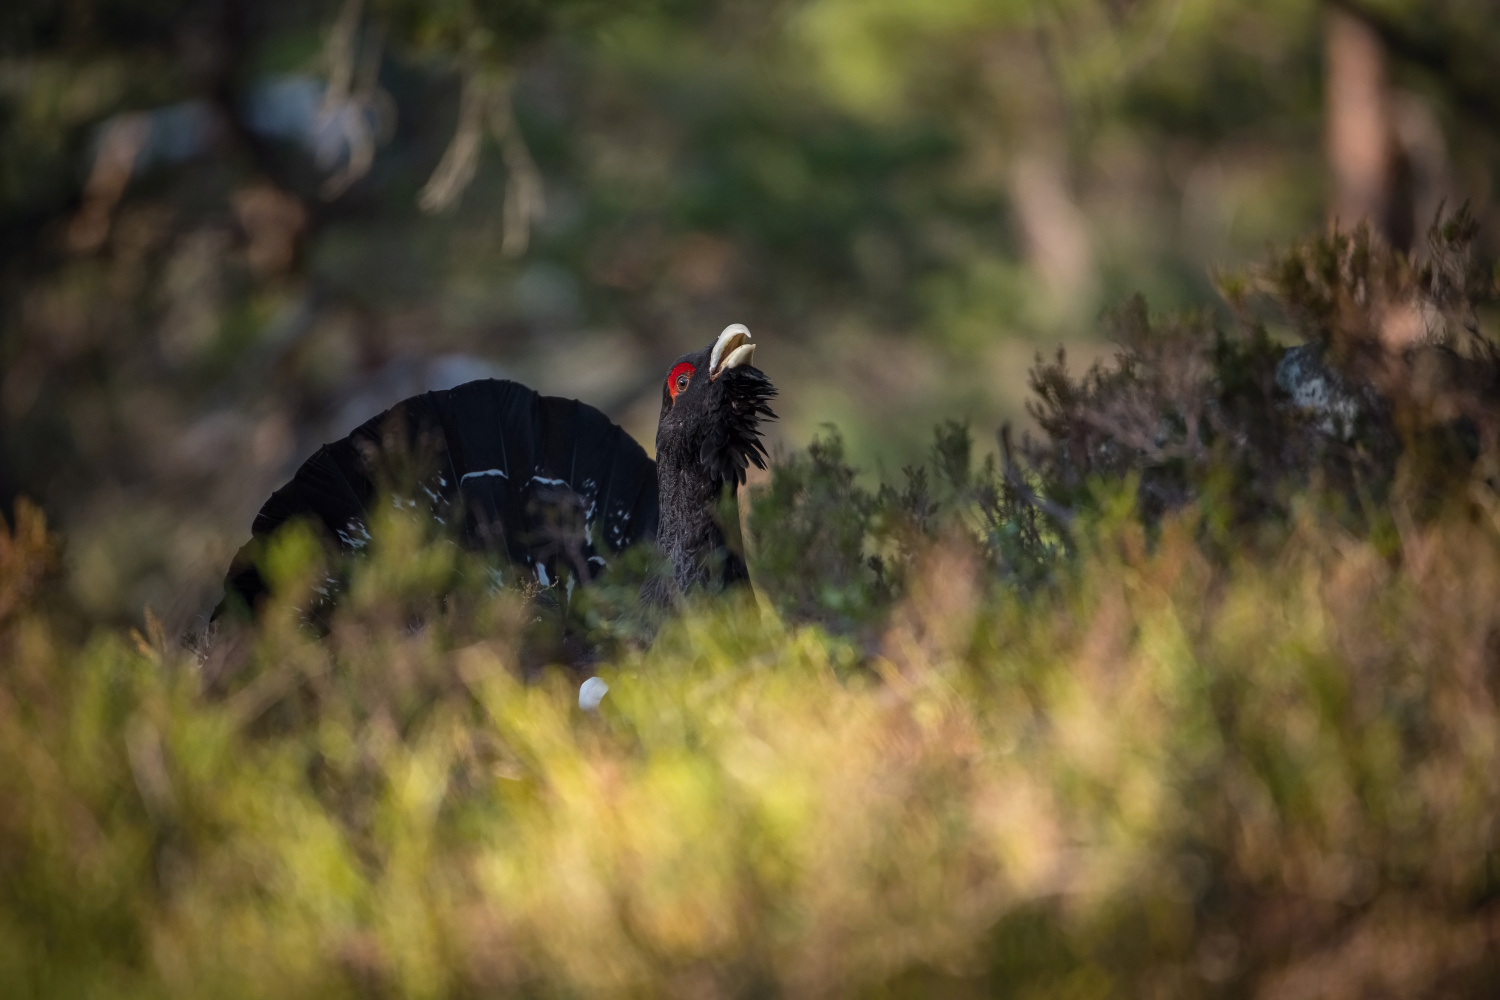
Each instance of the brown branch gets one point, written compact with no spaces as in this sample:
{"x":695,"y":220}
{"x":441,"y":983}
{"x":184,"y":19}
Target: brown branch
{"x":1017,"y":480}
{"x":525,"y":203}
{"x":456,"y":169}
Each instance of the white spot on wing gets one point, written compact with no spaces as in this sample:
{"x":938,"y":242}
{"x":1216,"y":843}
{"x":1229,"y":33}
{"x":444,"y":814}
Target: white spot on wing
{"x":483,"y":472}
{"x":355,"y":535}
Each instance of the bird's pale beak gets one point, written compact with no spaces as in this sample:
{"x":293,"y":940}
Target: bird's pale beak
{"x":731,"y":350}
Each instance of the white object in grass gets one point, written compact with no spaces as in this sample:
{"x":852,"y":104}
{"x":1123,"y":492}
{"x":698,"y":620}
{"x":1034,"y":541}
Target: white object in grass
{"x":591,"y":693}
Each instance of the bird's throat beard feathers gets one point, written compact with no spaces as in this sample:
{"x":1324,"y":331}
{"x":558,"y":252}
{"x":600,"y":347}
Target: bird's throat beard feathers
{"x":703,"y":446}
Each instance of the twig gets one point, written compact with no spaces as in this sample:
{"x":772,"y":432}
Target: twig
{"x":352,"y":95}
{"x":339,"y":52}
{"x":456,"y":169}
{"x":489,"y":100}
{"x":525,"y":203}
{"x":1017,"y":480}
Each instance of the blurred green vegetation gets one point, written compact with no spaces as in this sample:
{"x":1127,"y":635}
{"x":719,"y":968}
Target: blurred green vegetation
{"x":1159,"y":776}
{"x":233,"y":230}
{"x":1189,"y":690}
{"x":1191,"y":735}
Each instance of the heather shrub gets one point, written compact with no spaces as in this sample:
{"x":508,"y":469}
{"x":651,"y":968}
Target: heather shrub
{"x":1378,"y":398}
{"x":1166,"y":775}
{"x":828,"y":548}
{"x":1192,"y":694}
{"x":1386,"y":399}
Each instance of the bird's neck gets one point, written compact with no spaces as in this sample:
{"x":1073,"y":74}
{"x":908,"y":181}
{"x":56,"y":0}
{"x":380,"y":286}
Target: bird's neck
{"x":687,"y":533}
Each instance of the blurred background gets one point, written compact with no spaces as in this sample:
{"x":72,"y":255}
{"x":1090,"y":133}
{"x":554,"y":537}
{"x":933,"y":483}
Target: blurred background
{"x":233,"y":230}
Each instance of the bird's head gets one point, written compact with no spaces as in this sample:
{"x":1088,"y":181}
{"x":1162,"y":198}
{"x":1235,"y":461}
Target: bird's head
{"x":712,"y":403}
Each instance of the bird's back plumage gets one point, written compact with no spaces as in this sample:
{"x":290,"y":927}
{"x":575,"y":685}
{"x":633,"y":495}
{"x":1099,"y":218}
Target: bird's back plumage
{"x":541,"y":478}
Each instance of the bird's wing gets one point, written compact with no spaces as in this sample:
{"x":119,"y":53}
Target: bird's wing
{"x":551,"y":482}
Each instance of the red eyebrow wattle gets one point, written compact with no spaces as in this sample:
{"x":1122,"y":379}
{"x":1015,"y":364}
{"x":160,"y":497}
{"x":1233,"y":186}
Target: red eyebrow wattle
{"x":682,"y":368}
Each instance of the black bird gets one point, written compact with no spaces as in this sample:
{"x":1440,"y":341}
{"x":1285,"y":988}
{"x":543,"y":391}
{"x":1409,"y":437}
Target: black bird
{"x":542,"y":478}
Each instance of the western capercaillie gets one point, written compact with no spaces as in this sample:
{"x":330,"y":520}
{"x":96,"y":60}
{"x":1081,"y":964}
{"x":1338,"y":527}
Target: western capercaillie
{"x":549,"y":482}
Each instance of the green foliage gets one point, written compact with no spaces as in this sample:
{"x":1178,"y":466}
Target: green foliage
{"x":829,"y":550}
{"x":811,"y":528}
{"x":994,"y":730}
{"x":1389,"y":409}
{"x":1163,"y":776}
{"x":1193,"y":693}
{"x":895,"y":196}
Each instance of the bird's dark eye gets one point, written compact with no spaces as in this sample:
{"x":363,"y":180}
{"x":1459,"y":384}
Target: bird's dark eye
{"x":678,"y":379}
